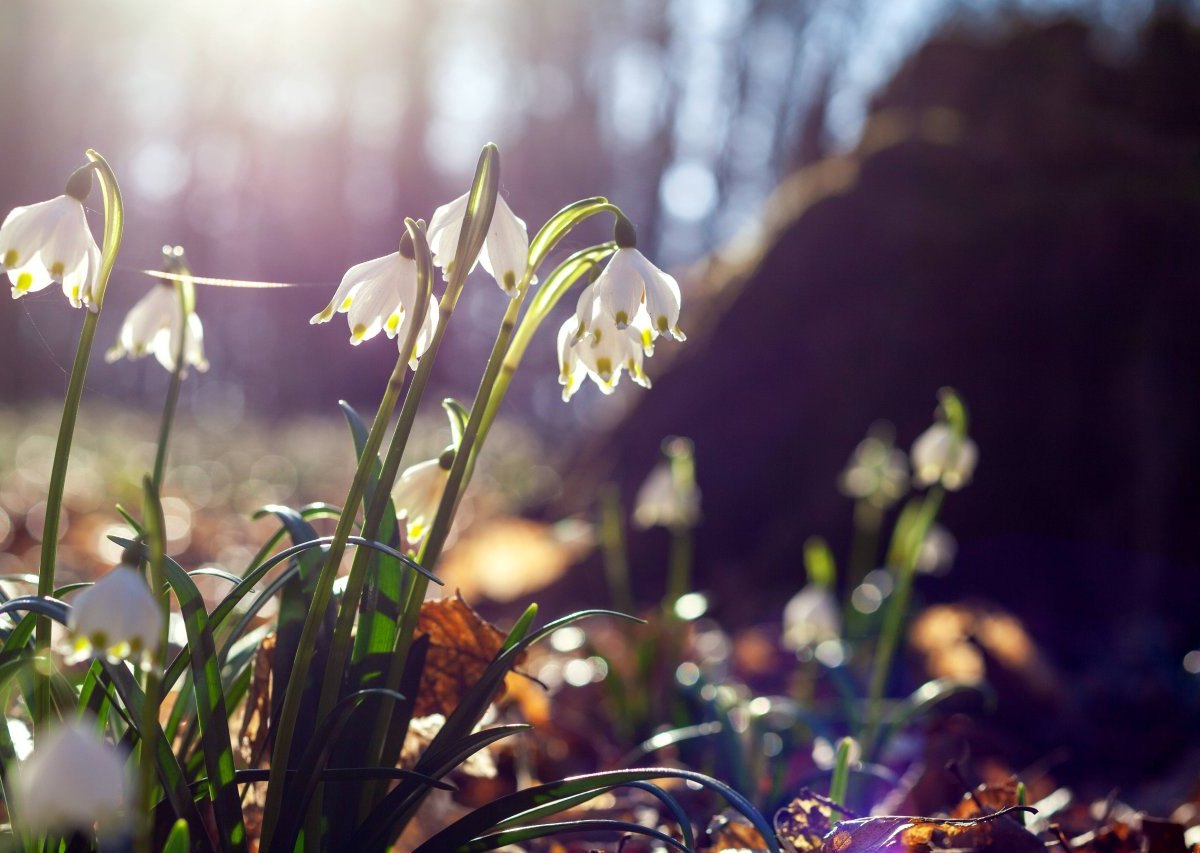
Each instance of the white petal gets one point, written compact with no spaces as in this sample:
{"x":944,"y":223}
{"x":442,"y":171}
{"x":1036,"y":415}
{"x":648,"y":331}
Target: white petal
{"x":117,"y":611}
{"x":506,"y":249}
{"x":620,"y":287}
{"x":67,"y":245}
{"x":571,"y":372}
{"x":30,"y":277}
{"x":662,"y":298}
{"x":373,"y":303}
{"x":417,"y":494}
{"x":195,"y":344}
{"x":425,"y":336}
{"x":351,"y":281}
{"x":26,"y":229}
{"x":445,"y":227}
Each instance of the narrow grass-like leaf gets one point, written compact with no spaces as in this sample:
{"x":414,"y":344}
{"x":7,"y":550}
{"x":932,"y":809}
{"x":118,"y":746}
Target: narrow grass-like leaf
{"x":662,"y":740}
{"x":504,"y":809}
{"x":308,"y":772}
{"x":179,"y":841}
{"x":508,"y":837}
{"x":170,"y":774}
{"x":212,"y":713}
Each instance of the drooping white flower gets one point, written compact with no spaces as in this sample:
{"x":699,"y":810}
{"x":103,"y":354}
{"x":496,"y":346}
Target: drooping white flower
{"x":810,"y":618}
{"x":117,"y":617}
{"x":631,"y":286}
{"x":72,"y":780}
{"x":418,"y":492}
{"x":663,"y":501}
{"x":942,"y":455}
{"x":47,"y":243}
{"x":877,"y":472}
{"x":153,"y":326}
{"x":505,"y":248}
{"x":599,"y":350}
{"x":938,"y":550}
{"x":378,"y":295}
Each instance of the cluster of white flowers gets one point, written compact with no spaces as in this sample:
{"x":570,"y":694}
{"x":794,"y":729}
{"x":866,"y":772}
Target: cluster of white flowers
{"x":616,"y":321}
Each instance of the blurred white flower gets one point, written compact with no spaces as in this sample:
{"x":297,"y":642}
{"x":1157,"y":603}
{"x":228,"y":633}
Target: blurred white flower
{"x":628,"y":287}
{"x":117,"y":617}
{"x":664,"y":502}
{"x":877,"y":472}
{"x":153,"y":326}
{"x":378,"y":295}
{"x":418,"y":492}
{"x":72,"y":780}
{"x":50,"y":242}
{"x":505,"y":249}
{"x":938,"y":550}
{"x":810,"y":618}
{"x":941,"y":455}
{"x":599,"y":350}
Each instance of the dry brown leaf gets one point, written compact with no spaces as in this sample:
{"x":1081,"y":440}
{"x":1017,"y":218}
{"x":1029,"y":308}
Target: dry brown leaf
{"x":732,"y":833}
{"x":804,"y":822}
{"x":993,"y":798}
{"x":252,"y":740}
{"x":461,"y":646}
{"x":994,"y":833}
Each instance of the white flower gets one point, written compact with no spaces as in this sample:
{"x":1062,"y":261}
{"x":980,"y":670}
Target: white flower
{"x":505,"y":248}
{"x":631,"y":286}
{"x":47,"y":243}
{"x":877,"y":472}
{"x":810,"y":618}
{"x":117,"y":617}
{"x":72,"y":780}
{"x":153,"y":325}
{"x":940,"y":454}
{"x":418,"y":492}
{"x":663,"y":502}
{"x":378,"y":295}
{"x":938,"y":550}
{"x":600,"y":349}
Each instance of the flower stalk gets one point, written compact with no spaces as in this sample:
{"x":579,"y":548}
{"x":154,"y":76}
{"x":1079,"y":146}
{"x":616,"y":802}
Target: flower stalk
{"x":113,"y":230}
{"x":186,"y":291}
{"x":479,"y":212}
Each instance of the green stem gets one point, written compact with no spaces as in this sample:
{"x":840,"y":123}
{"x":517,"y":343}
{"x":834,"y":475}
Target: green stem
{"x":156,"y":541}
{"x":164,"y":429}
{"x":113,"y":229}
{"x":679,"y":577}
{"x":306,"y":647}
{"x":894,"y":616}
{"x":841,"y":772}
{"x":612,"y":543}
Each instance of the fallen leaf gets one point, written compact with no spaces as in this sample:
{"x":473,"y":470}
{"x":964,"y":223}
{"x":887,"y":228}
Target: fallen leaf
{"x":253,"y":738}
{"x":994,"y":833}
{"x":804,"y":822}
{"x":993,"y":798}
{"x":461,"y":646}
{"x":732,"y":833}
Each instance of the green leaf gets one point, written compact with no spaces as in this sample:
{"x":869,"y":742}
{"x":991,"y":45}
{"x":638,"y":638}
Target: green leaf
{"x":497,"y":840}
{"x":211,"y":710}
{"x":540,"y":799}
{"x":458,"y":416}
{"x":179,"y":841}
{"x":819,"y":562}
{"x":308,"y":772}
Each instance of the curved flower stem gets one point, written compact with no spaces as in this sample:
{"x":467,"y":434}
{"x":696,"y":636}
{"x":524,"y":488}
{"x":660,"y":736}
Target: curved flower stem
{"x":113,"y":229}
{"x":187,"y":300}
{"x":893,"y":619}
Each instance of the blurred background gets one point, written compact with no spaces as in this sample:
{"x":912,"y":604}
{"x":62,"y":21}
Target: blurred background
{"x":864,"y":200}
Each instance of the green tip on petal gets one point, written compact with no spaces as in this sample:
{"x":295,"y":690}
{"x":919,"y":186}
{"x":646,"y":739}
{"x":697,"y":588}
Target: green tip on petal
{"x":11,"y":257}
{"x":356,"y":334}
{"x":621,"y":319}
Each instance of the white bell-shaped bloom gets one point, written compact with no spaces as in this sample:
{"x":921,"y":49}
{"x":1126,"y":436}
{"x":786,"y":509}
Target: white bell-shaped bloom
{"x":72,"y":780}
{"x":505,"y":248}
{"x":877,"y":472}
{"x":941,"y":455}
{"x":630,"y":285}
{"x":153,"y":326}
{"x":117,"y":617}
{"x":418,"y":492}
{"x":663,"y":501}
{"x":600,"y":349}
{"x":810,"y":618}
{"x":938,"y":550}
{"x":377,"y":296}
{"x":48,"y":243}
